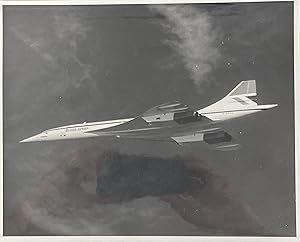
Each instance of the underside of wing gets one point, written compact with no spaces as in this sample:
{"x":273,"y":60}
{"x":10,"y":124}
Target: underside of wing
{"x":216,"y":138}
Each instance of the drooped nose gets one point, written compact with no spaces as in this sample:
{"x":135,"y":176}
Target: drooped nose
{"x":31,"y":139}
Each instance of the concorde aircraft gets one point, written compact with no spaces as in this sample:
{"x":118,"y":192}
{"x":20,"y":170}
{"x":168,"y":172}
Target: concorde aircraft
{"x":173,"y":121}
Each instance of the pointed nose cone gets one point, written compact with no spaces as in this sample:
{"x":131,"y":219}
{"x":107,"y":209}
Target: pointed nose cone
{"x":30,"y":139}
{"x":26,"y":140}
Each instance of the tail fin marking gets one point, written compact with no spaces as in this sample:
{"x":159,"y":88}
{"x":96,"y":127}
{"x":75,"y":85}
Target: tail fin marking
{"x":246,"y":88}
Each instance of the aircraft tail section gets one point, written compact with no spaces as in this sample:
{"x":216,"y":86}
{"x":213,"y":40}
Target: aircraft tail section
{"x":244,"y":88}
{"x":243,"y":96}
{"x":240,"y":101}
{"x":244,"y":93}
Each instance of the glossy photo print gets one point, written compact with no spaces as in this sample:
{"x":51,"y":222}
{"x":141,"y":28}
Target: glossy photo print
{"x":169,"y":119}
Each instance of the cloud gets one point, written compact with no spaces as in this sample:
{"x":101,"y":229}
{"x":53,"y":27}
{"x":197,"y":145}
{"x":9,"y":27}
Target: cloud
{"x":59,"y":48}
{"x":35,"y":44}
{"x":70,"y":32}
{"x":134,"y":198}
{"x":193,"y":38}
{"x":70,"y":28}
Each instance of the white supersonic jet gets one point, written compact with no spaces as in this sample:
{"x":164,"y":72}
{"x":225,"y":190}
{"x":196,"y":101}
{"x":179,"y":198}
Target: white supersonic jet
{"x":171,"y":121}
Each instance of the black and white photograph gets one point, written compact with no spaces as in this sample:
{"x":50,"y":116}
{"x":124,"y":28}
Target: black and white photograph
{"x":149,"y":119}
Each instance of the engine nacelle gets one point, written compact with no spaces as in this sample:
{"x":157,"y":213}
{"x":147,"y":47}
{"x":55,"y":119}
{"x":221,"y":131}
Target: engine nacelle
{"x":217,"y":137}
{"x":187,"y":117}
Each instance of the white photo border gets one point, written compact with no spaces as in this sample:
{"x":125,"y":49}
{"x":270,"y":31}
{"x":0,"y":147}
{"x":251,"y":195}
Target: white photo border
{"x":160,"y":238}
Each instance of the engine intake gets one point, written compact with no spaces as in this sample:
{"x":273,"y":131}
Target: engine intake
{"x":217,"y":137}
{"x":187,"y":117}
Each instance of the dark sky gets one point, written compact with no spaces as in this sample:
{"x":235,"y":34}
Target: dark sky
{"x":65,"y":65}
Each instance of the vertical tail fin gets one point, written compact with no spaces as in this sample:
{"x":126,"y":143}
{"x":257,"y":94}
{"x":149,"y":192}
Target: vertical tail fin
{"x":245,"y":88}
{"x":243,"y":96}
{"x":244,"y":92}
{"x":240,"y":101}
